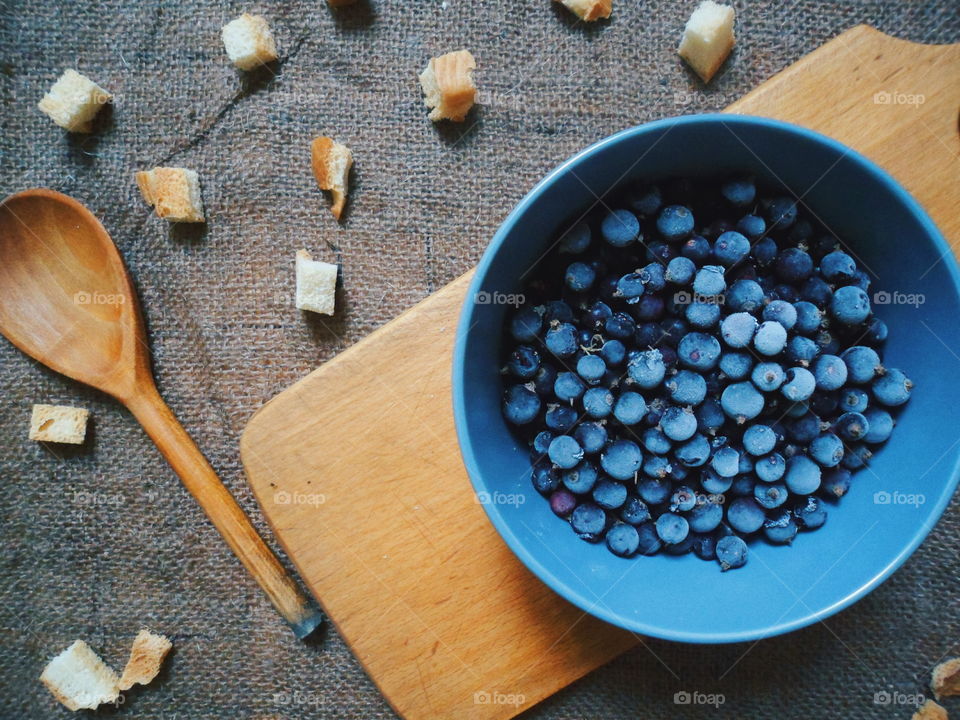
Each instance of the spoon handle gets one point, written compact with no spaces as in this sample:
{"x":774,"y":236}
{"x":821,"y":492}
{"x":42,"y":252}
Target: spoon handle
{"x":224,"y":512}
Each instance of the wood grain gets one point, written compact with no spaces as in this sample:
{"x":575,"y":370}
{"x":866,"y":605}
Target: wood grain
{"x":357,"y":468}
{"x":67,"y":301}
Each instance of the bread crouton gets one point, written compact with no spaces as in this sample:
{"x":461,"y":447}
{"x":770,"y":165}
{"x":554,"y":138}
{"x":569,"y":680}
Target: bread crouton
{"x":316,"y":284}
{"x":59,"y":424}
{"x":945,"y":679}
{"x":448,"y":87}
{"x":708,"y":38}
{"x":73,"y":101}
{"x":331,"y":167}
{"x":146,"y":657}
{"x":930,"y":711}
{"x":173,"y":192}
{"x":589,"y":10}
{"x":249,"y":42}
{"x":79,"y":679}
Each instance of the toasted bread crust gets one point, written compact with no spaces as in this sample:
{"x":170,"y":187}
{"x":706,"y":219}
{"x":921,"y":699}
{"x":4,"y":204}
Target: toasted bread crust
{"x":945,"y":678}
{"x":146,"y":657}
{"x":172,"y":193}
{"x":331,"y":164}
{"x":447,"y":83}
{"x":589,"y":10}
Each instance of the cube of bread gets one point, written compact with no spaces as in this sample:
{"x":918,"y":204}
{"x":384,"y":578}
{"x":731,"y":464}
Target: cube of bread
{"x":146,"y":657}
{"x":707,"y":38}
{"x":945,"y":679}
{"x":930,"y":711}
{"x":73,"y":101}
{"x":249,"y":42}
{"x":173,"y":192}
{"x":589,"y":10}
{"x":79,"y":679}
{"x":331,"y":167}
{"x":447,"y":84}
{"x":316,"y":284}
{"x":59,"y":424}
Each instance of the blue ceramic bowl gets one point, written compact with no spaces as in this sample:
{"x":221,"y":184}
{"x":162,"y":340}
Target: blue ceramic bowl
{"x":893,"y":503}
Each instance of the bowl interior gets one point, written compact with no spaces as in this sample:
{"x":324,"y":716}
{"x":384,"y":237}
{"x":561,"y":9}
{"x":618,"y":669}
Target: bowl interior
{"x":893,"y":503}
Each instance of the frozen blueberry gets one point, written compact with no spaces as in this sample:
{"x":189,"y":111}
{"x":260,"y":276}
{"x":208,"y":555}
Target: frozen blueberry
{"x":736,"y":365}
{"x":687,"y":388}
{"x":562,"y":502}
{"x":780,"y":528}
{"x":741,"y":402}
{"x":620,"y":326}
{"x":759,"y":440}
{"x":591,"y":368}
{"x":698,"y":351}
{"x":525,"y":325}
{"x":580,"y":276}
{"x":520,"y":405}
{"x":803,"y":475}
{"x":613,"y":352}
{"x":560,"y":418}
{"x":557,"y":311}
{"x":731,"y":552}
{"x":810,"y":513}
{"x":739,"y":191}
{"x":680,"y":270}
{"x":541,"y":443}
{"x":835,"y":483}
{"x":635,"y":511}
{"x":802,"y":350}
{"x":876,"y":331}
{"x":827,"y":450}
{"x":705,"y":516}
{"x":781,"y":212}
{"x":630,"y":408}
{"x":838,"y":267}
{"x":672,"y":528}
{"x":799,"y":384}
{"x":767,"y":376}
{"x":650,"y":543}
{"x":852,"y":426}
{"x":816,"y":291}
{"x":850,"y":305}
{"x":793,"y":265}
{"x":880,"y":424}
{"x":694,"y":452}
{"x":830,"y":372}
{"x":678,"y":424}
{"x":782,"y":312}
{"x":892,"y":388}
{"x":704,"y":546}
{"x":654,"y":491}
{"x":561,"y":340}
{"x":623,"y":539}
{"x":697,"y":249}
{"x":856,"y":456}
{"x":709,"y":280}
{"x":647,"y":369}
{"x":770,"y":468}
{"x":598,"y":402}
{"x":770,"y":495}
{"x":862,"y":363}
{"x":753,"y":226}
{"x":656,"y":466}
{"x":770,"y":338}
{"x":576,"y":240}
{"x":622,"y":459}
{"x":745,"y":295}
{"x":588,"y":521}
{"x":702,"y":315}
{"x":656,"y":441}
{"x":710,"y":416}
{"x":592,"y":436}
{"x":581,"y":478}
{"x":852,"y":399}
{"x":609,"y":495}
{"x":645,"y":201}
{"x":524,"y":362}
{"x":738,"y":329}
{"x":730,"y":248}
{"x":675,"y":222}
{"x":620,"y":228}
{"x":745,"y":515}
{"x":764,"y":251}
{"x":544,"y":380}
{"x":630,"y":286}
{"x":545,"y":478}
{"x":568,"y":387}
{"x":565,"y":452}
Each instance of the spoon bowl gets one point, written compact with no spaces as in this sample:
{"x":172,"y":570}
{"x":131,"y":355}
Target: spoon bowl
{"x":65,"y":296}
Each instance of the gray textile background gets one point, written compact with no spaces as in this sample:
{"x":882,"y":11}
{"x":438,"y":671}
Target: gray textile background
{"x":96,"y":541}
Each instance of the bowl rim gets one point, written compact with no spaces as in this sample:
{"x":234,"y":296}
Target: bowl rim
{"x":469,"y":454}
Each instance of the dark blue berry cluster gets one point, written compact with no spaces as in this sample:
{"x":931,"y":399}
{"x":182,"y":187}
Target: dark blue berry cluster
{"x":698,"y":367}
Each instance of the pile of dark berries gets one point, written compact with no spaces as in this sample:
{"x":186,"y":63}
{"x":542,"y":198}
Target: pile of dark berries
{"x":698,"y":367}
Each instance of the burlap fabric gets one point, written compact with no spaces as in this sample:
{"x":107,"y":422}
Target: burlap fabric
{"x":97,"y":541}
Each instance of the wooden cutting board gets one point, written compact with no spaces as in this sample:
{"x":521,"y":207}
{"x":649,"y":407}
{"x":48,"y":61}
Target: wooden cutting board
{"x":361,"y":478}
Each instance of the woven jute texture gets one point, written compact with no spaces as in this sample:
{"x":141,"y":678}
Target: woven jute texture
{"x":97,"y":541}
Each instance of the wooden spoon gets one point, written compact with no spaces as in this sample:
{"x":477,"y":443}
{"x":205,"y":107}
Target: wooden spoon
{"x":66,"y":299}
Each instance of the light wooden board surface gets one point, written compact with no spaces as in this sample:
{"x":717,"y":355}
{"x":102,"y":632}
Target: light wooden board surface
{"x":357,"y":469}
